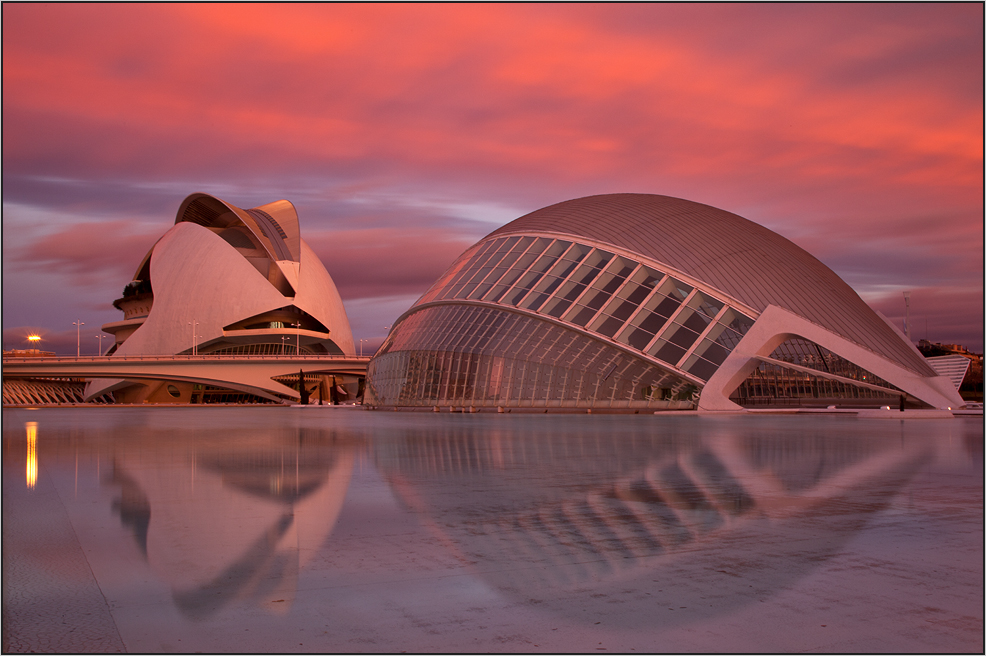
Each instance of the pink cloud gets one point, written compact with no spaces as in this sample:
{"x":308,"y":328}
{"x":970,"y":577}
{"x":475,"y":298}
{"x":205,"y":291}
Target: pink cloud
{"x":90,"y":253}
{"x":377,"y":262}
{"x":849,"y":128}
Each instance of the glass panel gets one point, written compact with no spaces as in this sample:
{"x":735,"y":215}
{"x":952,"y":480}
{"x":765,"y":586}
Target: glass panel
{"x":535,"y":300}
{"x":556,"y":307}
{"x":571,"y":290}
{"x":577,"y":252}
{"x":462,"y":293}
{"x":638,"y":338}
{"x":544,"y":263}
{"x":675,"y":289}
{"x":500,"y":289}
{"x":598,"y":258}
{"x":681,"y":336}
{"x":706,"y":304}
{"x":712,"y":351}
{"x":667,"y":351}
{"x":452,"y":290}
{"x":480,"y":273}
{"x":595,"y":299}
{"x":496,"y":293}
{"x":480,"y":290}
{"x":540,"y":243}
{"x":736,"y":320}
{"x":666,"y":306}
{"x":621,"y":267}
{"x":585,"y":275}
{"x":635,"y":293}
{"x":557,"y":248}
{"x":581,"y":315}
{"x":508,"y":243}
{"x":694,"y":320}
{"x":562,"y":268}
{"x":648,"y":277}
{"x":609,"y":326}
{"x":699,"y":367}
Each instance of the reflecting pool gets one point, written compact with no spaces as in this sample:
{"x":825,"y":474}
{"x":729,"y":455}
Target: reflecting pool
{"x":337,"y":530}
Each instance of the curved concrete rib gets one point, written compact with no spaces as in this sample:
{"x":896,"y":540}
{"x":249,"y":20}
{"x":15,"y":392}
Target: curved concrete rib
{"x":777,"y":325}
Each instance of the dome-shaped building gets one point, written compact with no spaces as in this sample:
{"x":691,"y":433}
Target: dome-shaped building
{"x":638,"y":301}
{"x":227,"y":281}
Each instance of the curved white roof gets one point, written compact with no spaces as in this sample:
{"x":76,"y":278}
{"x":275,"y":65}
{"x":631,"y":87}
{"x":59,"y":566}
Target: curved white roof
{"x":201,"y":273}
{"x":744,"y":260}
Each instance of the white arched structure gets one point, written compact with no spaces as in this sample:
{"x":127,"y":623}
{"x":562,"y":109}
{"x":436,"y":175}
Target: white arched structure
{"x":225,"y":280}
{"x":631,"y":301}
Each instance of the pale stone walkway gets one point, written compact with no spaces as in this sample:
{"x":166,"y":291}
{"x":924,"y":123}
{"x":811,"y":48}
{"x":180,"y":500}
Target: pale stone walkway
{"x":51,"y":602}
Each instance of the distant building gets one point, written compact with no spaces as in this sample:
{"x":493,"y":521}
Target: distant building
{"x":635,"y":302}
{"x":225,"y":281}
{"x":971,"y":382}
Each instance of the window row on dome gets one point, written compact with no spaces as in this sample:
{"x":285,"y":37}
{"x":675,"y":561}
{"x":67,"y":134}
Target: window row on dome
{"x":482,"y":356}
{"x":607,"y":294}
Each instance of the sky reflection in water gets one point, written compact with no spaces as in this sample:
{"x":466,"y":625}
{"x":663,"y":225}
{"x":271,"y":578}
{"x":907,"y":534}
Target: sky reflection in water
{"x":231,"y":513}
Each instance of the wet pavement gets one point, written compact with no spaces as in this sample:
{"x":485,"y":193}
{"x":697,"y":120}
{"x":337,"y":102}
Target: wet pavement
{"x":338,"y":530}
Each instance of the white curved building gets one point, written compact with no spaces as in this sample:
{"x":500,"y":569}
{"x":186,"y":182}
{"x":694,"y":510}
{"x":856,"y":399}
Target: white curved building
{"x":633,"y":301}
{"x":226,"y":281}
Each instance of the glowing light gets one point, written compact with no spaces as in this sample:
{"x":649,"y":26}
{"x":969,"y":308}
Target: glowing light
{"x":32,"y":456}
{"x":33,"y":338}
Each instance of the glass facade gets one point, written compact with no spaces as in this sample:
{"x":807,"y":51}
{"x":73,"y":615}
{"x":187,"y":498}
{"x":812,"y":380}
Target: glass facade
{"x":475,"y":337}
{"x":773,"y":384}
{"x":607,"y":294}
{"x":474,"y":356}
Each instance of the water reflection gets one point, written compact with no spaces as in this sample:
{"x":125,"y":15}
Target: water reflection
{"x":228,"y":509}
{"x":32,"y":454}
{"x":231,"y":519}
{"x":584,"y":512}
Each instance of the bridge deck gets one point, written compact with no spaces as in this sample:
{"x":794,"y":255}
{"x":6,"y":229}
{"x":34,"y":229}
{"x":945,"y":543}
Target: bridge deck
{"x":251,"y":373}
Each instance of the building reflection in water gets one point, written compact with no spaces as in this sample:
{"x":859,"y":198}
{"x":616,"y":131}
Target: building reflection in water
{"x":585,"y":511}
{"x":221,"y":520}
{"x":32,"y":453}
{"x":533,"y":506}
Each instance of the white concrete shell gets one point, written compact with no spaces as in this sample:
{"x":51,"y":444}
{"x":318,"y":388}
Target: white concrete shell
{"x":199,"y":277}
{"x":728,"y":273}
{"x":220,"y":266}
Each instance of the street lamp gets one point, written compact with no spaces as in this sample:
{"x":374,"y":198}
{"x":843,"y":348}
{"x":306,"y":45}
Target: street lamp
{"x":193,"y":323}
{"x":100,"y":338}
{"x":283,"y":337}
{"x":361,"y":347}
{"x":78,"y":336}
{"x":298,"y":347}
{"x":907,"y":315}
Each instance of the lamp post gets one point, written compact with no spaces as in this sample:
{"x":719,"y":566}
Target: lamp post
{"x":35,"y":340}
{"x":193,"y":323}
{"x":283,"y":337}
{"x":100,"y":338}
{"x":78,"y":336}
{"x":298,"y":346}
{"x":907,"y":315}
{"x":361,"y":347}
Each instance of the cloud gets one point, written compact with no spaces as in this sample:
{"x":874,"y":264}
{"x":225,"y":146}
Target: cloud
{"x":89,"y":253}
{"x":403,"y":133}
{"x":378,"y":262}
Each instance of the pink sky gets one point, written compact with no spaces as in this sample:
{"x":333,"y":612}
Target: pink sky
{"x":404,"y":133}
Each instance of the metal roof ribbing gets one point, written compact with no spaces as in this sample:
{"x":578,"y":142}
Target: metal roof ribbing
{"x":744,"y":260}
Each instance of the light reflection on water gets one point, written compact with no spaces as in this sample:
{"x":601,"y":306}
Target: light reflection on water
{"x":31,"y":474}
{"x":232,"y":507}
